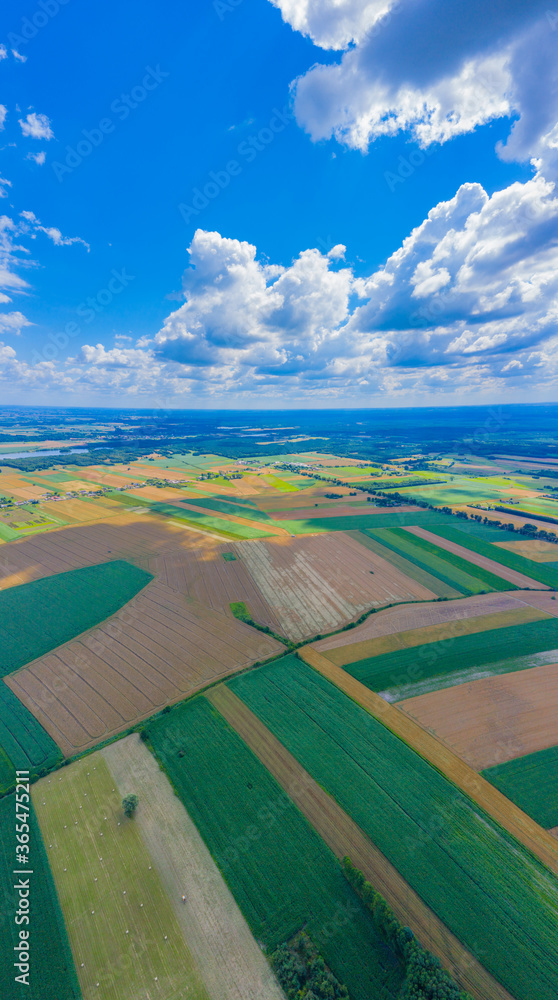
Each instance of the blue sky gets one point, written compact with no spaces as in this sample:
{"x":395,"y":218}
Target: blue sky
{"x":193,"y":153}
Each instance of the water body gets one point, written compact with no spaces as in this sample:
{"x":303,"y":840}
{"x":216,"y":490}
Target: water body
{"x":42,"y":454}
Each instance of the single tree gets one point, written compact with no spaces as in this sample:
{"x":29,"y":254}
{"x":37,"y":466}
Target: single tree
{"x":129,"y":805}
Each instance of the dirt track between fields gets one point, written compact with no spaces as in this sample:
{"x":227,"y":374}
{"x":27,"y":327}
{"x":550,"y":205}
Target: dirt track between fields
{"x":521,"y":826}
{"x":344,"y":837}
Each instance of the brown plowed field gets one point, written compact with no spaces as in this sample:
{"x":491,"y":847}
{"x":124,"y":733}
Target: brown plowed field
{"x":473,"y":557}
{"x":230,"y":961}
{"x":430,"y":633}
{"x":521,"y":826}
{"x":158,"y":649}
{"x":317,"y":583}
{"x":204,"y":575}
{"x":496,"y":719}
{"x":344,"y":837}
{"x":416,"y":616}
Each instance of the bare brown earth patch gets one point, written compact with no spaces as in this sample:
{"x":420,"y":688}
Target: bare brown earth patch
{"x":495,"y":719}
{"x":344,"y":837}
{"x":532,"y":548}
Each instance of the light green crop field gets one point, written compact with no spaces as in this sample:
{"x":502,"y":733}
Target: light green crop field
{"x":532,"y":783}
{"x":281,"y":873}
{"x":125,"y":938}
{"x":488,"y":889}
{"x":195,"y":519}
{"x":36,"y":617}
{"x":52,"y":975}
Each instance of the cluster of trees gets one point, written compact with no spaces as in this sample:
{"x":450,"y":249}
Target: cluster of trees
{"x":425,"y":979}
{"x":303,"y":974}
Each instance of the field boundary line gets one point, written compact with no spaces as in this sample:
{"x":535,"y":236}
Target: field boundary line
{"x":540,"y":843}
{"x":344,"y":837}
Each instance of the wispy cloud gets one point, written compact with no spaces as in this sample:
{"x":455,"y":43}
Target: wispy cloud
{"x":36,"y":126}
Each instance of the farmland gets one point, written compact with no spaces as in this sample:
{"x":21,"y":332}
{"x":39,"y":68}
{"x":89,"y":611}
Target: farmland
{"x":499,"y":892}
{"x":52,"y":974}
{"x":281,"y":873}
{"x":482,"y":563}
{"x":546,"y":575}
{"x":408,"y":672}
{"x":496,"y":719}
{"x":39,"y":616}
{"x":26,"y":745}
{"x":228,"y":957}
{"x":532,"y":783}
{"x":317,"y":584}
{"x":158,"y":649}
{"x":457,"y":572}
{"x":124,"y":936}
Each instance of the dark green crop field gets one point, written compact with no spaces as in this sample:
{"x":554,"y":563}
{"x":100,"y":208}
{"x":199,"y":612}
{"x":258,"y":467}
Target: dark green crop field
{"x":378,"y":519}
{"x":281,"y":873}
{"x":52,"y":973}
{"x":537,"y":571}
{"x":450,"y":569}
{"x":226,"y":507}
{"x":488,"y":889}
{"x":36,"y":617}
{"x":532,"y":783}
{"x":482,"y":651}
{"x":24,"y":741}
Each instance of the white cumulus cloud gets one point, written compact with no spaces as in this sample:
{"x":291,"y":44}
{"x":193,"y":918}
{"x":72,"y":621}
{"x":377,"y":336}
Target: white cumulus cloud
{"x":36,"y":126}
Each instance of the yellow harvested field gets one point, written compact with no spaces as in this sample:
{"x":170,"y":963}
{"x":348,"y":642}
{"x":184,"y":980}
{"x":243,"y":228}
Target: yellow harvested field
{"x":532,"y":548}
{"x":156,"y":650}
{"x":441,"y":756}
{"x":408,"y":617}
{"x":431,"y":633}
{"x":344,"y":837}
{"x":495,"y":719}
{"x":316,"y":583}
{"x":125,"y":938}
{"x":511,"y":575}
{"x":230,"y":961}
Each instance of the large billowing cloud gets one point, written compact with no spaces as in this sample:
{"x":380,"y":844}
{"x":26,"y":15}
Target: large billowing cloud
{"x":430,"y":68}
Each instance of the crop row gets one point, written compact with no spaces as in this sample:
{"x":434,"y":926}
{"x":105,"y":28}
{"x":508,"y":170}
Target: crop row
{"x":537,"y":571}
{"x":532,"y":783}
{"x":497,"y":899}
{"x":281,"y":873}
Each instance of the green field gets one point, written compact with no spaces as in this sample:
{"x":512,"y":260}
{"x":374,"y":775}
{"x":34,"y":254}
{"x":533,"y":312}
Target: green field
{"x":196,"y":519}
{"x":280,"y":871}
{"x":487,"y":888}
{"x":532,"y":783}
{"x":537,"y":571}
{"x":52,"y":974}
{"x":378,"y":519}
{"x":405,"y":673}
{"x":103,"y":876}
{"x":410,"y":569}
{"x":36,"y":617}
{"x":24,"y":741}
{"x":226,"y":507}
{"x":458,"y":573}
